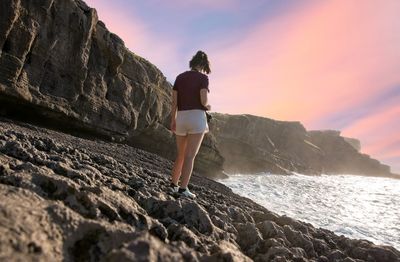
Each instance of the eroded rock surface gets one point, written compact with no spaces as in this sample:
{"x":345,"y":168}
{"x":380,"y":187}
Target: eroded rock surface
{"x":61,"y":67}
{"x":65,"y":198}
{"x":253,"y":144}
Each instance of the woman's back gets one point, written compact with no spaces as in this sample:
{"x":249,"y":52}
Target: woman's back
{"x":188,"y":85}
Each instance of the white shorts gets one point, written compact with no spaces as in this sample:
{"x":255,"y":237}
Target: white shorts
{"x":191,"y":122}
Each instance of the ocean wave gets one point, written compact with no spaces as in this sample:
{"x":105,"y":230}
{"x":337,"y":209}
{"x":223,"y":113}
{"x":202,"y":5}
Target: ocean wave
{"x":354,"y":206}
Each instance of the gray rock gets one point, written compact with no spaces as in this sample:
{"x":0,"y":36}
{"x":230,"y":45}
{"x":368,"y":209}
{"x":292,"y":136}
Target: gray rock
{"x":248,"y":236}
{"x":282,"y":147}
{"x":195,"y":216}
{"x":182,"y":233}
{"x":227,"y":252}
{"x":66,"y":198}
{"x":299,"y":239}
{"x":144,"y":247}
{"x":336,"y":256}
{"x":270,"y":229}
{"x":278,"y":252}
{"x":61,"y":65}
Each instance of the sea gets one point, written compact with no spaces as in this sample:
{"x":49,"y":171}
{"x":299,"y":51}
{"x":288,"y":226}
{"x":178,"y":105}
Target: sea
{"x":354,"y":206}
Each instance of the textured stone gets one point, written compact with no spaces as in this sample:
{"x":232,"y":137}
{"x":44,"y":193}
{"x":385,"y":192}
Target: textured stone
{"x":270,"y":229}
{"x":195,"y":216}
{"x":248,"y":236}
{"x":65,"y":198}
{"x":283,"y":147}
{"x":64,"y":69}
{"x":144,"y":247}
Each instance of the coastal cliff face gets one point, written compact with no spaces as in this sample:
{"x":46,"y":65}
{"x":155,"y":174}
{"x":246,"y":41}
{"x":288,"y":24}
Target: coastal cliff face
{"x":64,"y":198}
{"x":252,"y":144}
{"x":67,"y":198}
{"x":60,"y":66}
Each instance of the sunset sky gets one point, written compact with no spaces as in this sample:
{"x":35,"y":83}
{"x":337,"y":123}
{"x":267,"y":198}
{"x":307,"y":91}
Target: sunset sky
{"x":329,"y":64}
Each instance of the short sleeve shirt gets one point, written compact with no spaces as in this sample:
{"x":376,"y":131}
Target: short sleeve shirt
{"x":188,"y":86}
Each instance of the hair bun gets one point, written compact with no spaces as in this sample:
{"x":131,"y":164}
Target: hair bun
{"x":200,"y":59}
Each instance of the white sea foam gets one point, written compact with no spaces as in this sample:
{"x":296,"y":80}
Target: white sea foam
{"x":354,"y":206}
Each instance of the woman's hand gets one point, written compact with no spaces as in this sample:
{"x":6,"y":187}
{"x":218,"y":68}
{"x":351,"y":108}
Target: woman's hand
{"x":173,"y":125}
{"x":208,"y":107}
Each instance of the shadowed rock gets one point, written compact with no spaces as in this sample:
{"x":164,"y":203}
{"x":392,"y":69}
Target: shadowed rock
{"x":65,"y":198}
{"x":283,"y":147}
{"x":64,"y":69}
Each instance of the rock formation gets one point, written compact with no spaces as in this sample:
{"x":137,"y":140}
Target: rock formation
{"x":80,"y":198}
{"x":60,"y":66}
{"x":253,"y":144}
{"x":64,"y":198}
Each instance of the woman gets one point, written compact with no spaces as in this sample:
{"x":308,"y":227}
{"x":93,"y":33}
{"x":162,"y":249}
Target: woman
{"x":188,"y":119}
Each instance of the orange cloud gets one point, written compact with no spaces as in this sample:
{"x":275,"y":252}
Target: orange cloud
{"x":324,"y":58}
{"x":308,"y":64}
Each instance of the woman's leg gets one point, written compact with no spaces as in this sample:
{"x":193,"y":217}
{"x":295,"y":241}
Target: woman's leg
{"x":181,"y":142}
{"x":192,"y":147}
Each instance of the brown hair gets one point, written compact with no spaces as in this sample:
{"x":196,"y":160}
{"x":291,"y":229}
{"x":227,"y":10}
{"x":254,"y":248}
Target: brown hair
{"x":200,"y":59}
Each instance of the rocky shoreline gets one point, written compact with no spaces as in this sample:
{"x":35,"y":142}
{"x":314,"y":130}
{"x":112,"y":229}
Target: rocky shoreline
{"x":61,"y":66}
{"x":88,"y":192}
{"x":284,"y":147}
{"x":65,"y":198}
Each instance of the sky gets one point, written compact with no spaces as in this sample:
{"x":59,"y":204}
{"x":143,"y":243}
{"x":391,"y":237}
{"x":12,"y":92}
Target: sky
{"x":328,"y":64}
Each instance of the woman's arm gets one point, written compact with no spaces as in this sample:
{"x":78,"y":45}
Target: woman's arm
{"x":174,"y":108}
{"x":204,"y":98}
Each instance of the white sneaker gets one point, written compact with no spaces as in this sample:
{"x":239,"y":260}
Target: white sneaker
{"x":187,"y":193}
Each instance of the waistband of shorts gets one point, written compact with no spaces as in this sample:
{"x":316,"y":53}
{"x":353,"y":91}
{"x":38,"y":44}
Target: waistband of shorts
{"x":191,"y":111}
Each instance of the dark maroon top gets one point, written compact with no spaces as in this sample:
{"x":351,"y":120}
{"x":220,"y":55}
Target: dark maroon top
{"x":188,"y":85}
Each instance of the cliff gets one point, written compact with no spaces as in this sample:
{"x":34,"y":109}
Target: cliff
{"x":61,"y":67}
{"x":251,"y":144}
{"x":64,"y":198}
{"x":81,"y":198}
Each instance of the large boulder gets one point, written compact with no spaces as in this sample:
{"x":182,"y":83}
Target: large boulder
{"x":61,"y":67}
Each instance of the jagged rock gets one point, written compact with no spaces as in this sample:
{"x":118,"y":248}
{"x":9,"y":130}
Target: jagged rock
{"x":298,"y":252}
{"x":228,"y":252}
{"x":277,"y":252}
{"x":64,"y":198}
{"x":281,"y":147}
{"x":320,"y":246}
{"x":144,"y":247}
{"x":248,"y":236}
{"x":340,"y":157}
{"x":159,"y":231}
{"x":64,"y":69}
{"x":298,"y":239}
{"x":336,"y":255}
{"x":270,"y":229}
{"x":195,"y":216}
{"x":322,"y":259}
{"x":182,"y":233}
{"x":353,"y":142}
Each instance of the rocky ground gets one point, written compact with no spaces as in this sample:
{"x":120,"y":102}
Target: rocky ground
{"x":65,"y":198}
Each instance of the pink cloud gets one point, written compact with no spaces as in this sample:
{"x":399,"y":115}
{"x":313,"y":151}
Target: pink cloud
{"x":381,"y":122}
{"x":314,"y":61}
{"x":329,"y":57}
{"x":303,"y":66}
{"x":379,"y":135}
{"x":195,"y":4}
{"x":158,"y":49}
